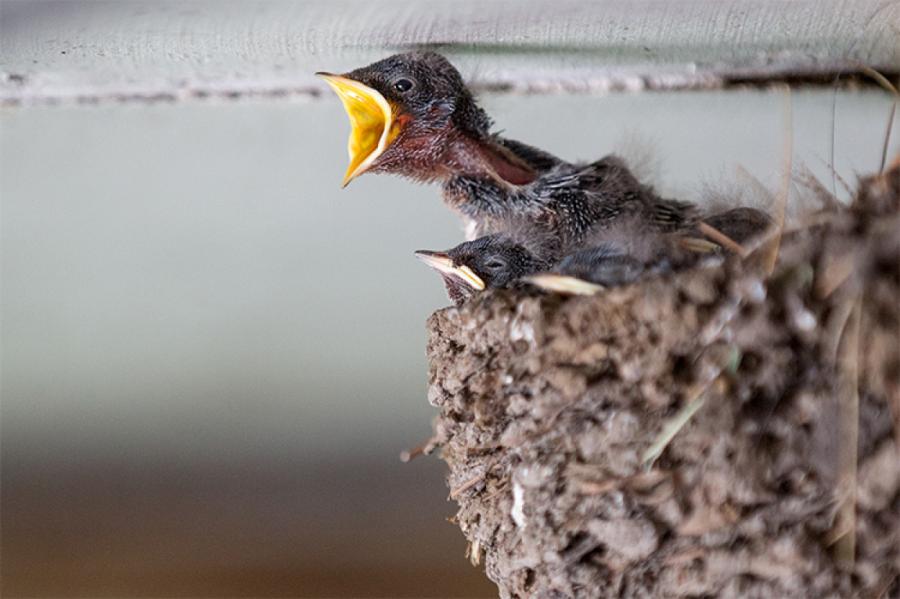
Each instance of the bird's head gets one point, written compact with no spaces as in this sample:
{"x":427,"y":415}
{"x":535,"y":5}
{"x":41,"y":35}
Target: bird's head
{"x":402,"y":110}
{"x":492,"y":261}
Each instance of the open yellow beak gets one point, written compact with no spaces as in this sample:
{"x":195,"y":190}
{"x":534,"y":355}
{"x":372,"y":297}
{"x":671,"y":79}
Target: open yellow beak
{"x":443,"y":263}
{"x":372,"y":125}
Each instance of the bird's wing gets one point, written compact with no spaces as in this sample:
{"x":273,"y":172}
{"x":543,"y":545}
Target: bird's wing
{"x":536,"y":158}
{"x":608,"y":189}
{"x":671,"y":215}
{"x":610,"y":174}
{"x":611,"y":178}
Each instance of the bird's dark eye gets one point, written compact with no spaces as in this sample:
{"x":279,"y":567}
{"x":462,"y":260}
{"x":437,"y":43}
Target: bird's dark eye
{"x":496,"y":264}
{"x":403,"y":85}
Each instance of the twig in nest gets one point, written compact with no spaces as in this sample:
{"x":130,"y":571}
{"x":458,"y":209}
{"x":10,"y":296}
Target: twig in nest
{"x":848,"y":362}
{"x":887,"y":85}
{"x":695,"y":400}
{"x":424,"y":448}
{"x":781,"y":199}
{"x":836,"y":176}
{"x":837,"y":269}
{"x":722,"y":239}
{"x":501,"y":488}
{"x":878,"y":77}
{"x":753,"y":181}
{"x":887,"y":135}
{"x":884,"y":587}
{"x":675,"y":424}
{"x":601,"y":488}
{"x":837,"y":324}
{"x":829,"y":202}
{"x":411,"y":454}
{"x":457,"y":491}
{"x":640,"y":480}
{"x":685,"y":556}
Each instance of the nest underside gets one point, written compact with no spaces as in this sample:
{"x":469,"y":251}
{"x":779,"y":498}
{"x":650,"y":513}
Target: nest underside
{"x":726,"y":431}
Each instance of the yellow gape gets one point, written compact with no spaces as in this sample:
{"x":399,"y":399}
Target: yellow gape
{"x":372,"y":125}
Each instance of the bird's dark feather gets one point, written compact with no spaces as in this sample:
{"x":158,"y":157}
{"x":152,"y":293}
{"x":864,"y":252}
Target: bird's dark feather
{"x":568,"y":199}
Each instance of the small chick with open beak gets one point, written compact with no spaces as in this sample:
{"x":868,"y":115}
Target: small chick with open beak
{"x":411,"y":114}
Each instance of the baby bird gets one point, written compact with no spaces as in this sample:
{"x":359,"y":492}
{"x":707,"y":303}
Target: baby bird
{"x":617,"y":255}
{"x":412,"y":115}
{"x":493,"y":261}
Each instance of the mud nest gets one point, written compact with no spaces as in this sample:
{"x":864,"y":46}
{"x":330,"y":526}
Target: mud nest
{"x":728,"y":431}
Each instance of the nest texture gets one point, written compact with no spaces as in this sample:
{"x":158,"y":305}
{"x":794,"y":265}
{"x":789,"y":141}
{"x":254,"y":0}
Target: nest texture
{"x":721,"y":432}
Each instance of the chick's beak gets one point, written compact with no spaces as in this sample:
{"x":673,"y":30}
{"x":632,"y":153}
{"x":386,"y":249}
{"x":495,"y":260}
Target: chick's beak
{"x":372,"y":123}
{"x":444,"y":264}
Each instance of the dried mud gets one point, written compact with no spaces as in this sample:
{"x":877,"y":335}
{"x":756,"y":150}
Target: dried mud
{"x":549,"y":407}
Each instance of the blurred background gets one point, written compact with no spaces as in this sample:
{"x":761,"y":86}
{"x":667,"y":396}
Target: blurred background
{"x":212,"y":356}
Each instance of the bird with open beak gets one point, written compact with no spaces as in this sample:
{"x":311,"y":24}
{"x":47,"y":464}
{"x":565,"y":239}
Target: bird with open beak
{"x":411,"y":114}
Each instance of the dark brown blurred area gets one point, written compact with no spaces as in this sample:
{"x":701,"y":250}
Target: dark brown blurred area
{"x":76,"y":527}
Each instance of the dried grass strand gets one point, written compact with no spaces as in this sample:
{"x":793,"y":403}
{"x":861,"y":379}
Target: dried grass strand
{"x":848,"y":364}
{"x":771,"y":255}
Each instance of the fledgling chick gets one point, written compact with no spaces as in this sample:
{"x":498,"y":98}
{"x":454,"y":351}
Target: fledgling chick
{"x":609,"y":257}
{"x":412,"y":115}
{"x":489,"y":262}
